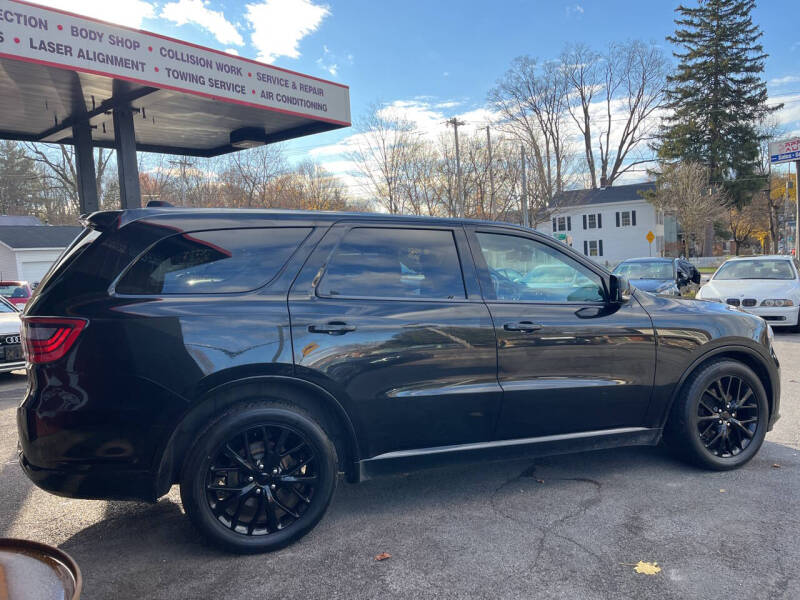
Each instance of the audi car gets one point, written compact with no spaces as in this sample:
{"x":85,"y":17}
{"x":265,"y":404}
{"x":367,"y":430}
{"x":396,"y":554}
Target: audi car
{"x":11,"y":355}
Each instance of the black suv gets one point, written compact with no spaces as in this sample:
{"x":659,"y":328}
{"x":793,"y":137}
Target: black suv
{"x":252,"y":355}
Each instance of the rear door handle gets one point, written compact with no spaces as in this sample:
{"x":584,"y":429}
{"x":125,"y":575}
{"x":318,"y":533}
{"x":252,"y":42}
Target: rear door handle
{"x":332,"y":328}
{"x":524,"y":326}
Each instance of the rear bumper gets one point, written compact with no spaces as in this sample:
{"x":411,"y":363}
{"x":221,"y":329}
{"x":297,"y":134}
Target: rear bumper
{"x":93,"y":482}
{"x":12,"y":366}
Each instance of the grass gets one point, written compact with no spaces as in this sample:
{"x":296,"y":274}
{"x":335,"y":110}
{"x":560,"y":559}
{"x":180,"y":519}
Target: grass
{"x":708,"y":270}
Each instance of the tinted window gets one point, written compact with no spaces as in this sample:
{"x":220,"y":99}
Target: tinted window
{"x":395,"y":263}
{"x":645,"y":270}
{"x":212,"y":262}
{"x":547,"y":275}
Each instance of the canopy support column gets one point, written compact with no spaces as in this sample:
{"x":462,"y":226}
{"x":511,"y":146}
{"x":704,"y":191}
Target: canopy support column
{"x":84,"y":167}
{"x":125,"y":143}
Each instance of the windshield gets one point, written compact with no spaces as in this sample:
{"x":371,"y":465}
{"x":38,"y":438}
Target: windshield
{"x":13,"y":291}
{"x":755,"y":269}
{"x":645,"y":270}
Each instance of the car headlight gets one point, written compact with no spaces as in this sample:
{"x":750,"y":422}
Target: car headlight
{"x":668,"y":288}
{"x":777,"y":302}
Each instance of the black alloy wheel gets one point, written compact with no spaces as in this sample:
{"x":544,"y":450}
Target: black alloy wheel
{"x":262,"y":480}
{"x":260,"y":477}
{"x":719,"y":419}
{"x":727,"y":416}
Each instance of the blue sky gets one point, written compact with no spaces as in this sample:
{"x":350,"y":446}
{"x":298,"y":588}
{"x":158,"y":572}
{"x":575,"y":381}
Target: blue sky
{"x":433,"y":58}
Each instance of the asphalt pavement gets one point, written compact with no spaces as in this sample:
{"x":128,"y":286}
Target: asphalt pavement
{"x":559,"y":527}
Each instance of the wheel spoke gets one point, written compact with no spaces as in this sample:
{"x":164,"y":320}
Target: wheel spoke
{"x":709,"y":418}
{"x":235,"y":456}
{"x":237,"y":512}
{"x":742,"y":429}
{"x":707,"y":407}
{"x":300,"y":465}
{"x":259,"y":507}
{"x":284,"y":508}
{"x":272,"y":517}
{"x":291,"y":479}
{"x":714,"y":439}
{"x":281,"y":443}
{"x":740,"y":404}
{"x":305,"y":499}
{"x":293,"y":450}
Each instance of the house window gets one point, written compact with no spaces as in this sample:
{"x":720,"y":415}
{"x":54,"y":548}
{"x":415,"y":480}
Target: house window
{"x":593,"y":247}
{"x":626,"y":218}
{"x":562,"y":223}
{"x":594,"y":221}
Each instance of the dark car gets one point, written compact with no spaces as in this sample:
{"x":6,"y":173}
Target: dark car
{"x":250,"y":356}
{"x":667,"y":276}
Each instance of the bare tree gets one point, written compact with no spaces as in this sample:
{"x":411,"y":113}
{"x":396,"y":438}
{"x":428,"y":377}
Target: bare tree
{"x":616,"y":94}
{"x":532,"y":101}
{"x":683,"y":190}
{"x":59,"y":172}
{"x":382,"y":147}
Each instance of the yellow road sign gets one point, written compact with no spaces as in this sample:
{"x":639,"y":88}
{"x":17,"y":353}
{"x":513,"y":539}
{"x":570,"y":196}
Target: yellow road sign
{"x":650,"y":237}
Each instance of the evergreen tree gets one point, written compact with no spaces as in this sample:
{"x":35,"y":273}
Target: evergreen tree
{"x":717,"y":95}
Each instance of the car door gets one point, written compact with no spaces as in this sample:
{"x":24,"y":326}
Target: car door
{"x":568,"y":360}
{"x":389,"y":318}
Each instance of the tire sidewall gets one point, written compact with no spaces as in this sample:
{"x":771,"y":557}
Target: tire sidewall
{"x":193,"y":478}
{"x":689,"y":410}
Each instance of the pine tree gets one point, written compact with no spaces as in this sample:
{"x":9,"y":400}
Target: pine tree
{"x":717,"y":95}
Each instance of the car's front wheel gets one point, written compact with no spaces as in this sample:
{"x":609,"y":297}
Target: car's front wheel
{"x":720,"y":418}
{"x":260,"y":477}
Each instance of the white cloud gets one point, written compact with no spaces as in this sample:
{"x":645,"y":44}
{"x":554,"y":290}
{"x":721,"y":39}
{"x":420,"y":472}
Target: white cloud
{"x":233,"y":51}
{"x":784,"y":80}
{"x":328,"y":61}
{"x":122,"y":12}
{"x":279,"y":25}
{"x":574,"y":10}
{"x":197,"y":13}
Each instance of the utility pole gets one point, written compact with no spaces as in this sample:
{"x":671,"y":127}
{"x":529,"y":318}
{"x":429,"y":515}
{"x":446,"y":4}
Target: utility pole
{"x":491,"y":173}
{"x":456,"y":124}
{"x":524,"y":195}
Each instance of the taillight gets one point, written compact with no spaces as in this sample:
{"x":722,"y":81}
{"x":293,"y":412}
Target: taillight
{"x":45,"y":339}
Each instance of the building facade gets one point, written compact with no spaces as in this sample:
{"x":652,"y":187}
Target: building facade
{"x":28,"y":251}
{"x":608,"y":224}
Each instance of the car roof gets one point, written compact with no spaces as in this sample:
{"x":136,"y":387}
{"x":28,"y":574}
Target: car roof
{"x":767,"y":257}
{"x":208,"y":216}
{"x":20,"y":283}
{"x":648,"y":259}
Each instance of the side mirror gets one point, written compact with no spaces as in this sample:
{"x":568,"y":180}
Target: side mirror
{"x":619,"y":289}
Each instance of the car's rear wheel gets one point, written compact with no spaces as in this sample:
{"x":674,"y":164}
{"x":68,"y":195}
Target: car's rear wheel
{"x":720,"y":419}
{"x":260,"y":477}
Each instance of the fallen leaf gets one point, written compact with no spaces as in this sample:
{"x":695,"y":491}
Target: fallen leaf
{"x":647,"y":568}
{"x":540,"y":481}
{"x":722,"y":491}
{"x":776,"y":466}
{"x":383,"y":556}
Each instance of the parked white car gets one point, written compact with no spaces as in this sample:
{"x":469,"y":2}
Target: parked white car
{"x":767,"y":286}
{"x":11,"y":357}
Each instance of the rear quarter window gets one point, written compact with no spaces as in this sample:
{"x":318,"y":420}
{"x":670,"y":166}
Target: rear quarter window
{"x":212,"y":262}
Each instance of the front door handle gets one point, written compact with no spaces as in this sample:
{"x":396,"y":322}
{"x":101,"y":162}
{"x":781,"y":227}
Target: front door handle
{"x":332,"y":328}
{"x":523,"y":326}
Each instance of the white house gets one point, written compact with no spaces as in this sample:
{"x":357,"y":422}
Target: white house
{"x":27,"y":251}
{"x":608,"y":224}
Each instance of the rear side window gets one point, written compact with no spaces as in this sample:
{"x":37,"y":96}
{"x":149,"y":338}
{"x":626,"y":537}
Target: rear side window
{"x":212,"y":262}
{"x":395,"y":263}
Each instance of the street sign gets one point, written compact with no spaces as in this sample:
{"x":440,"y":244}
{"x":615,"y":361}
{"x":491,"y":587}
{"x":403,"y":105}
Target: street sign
{"x":650,"y":237}
{"x":784,"y":151}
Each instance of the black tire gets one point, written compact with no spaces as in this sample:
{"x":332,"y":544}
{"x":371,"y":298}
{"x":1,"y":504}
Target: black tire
{"x":285,"y":497}
{"x":718,"y":428}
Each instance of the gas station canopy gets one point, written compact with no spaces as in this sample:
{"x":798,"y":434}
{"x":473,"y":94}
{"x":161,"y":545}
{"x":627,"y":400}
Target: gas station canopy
{"x":70,"y":79}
